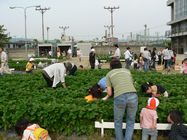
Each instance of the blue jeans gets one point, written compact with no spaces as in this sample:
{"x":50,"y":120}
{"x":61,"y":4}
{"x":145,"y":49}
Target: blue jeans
{"x":128,"y":63}
{"x":146,"y":65}
{"x":128,"y":102}
{"x":149,"y":132}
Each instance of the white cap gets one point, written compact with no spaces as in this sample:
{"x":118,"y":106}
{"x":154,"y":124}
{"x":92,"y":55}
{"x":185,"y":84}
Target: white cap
{"x":31,"y":59}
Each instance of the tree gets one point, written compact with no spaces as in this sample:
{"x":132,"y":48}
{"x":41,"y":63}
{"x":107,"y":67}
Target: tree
{"x":4,"y":39}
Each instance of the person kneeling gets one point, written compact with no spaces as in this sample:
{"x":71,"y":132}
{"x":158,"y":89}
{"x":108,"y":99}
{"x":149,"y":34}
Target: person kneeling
{"x":29,"y":131}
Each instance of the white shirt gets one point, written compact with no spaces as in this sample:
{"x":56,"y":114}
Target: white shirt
{"x":79,"y":52}
{"x":4,"y":57}
{"x":69,"y":51}
{"x":166,"y":54}
{"x":146,"y":54}
{"x":57,"y":71}
{"x":117,"y":53}
{"x":127,"y":54}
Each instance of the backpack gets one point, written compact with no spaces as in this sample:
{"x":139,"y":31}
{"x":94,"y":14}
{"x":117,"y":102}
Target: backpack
{"x":35,"y":132}
{"x":40,"y":134}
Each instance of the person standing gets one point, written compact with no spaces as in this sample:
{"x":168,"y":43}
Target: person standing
{"x":125,"y":98}
{"x":128,"y":58}
{"x":92,"y":58}
{"x":79,"y":54}
{"x":117,"y":53}
{"x":55,"y":73}
{"x":166,"y":57}
{"x":159,"y":57}
{"x":146,"y":58}
{"x":4,"y":62}
{"x":153,"y":58}
{"x":148,"y":119}
{"x":69,"y":53}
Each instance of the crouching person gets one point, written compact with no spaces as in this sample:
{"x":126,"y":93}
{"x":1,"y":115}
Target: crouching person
{"x":55,"y":73}
{"x":29,"y":131}
{"x":30,"y":65}
{"x":154,"y":90}
{"x":178,"y":129}
{"x":97,"y":91}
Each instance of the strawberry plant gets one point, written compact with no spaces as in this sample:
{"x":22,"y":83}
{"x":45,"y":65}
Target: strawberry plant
{"x":66,"y":111}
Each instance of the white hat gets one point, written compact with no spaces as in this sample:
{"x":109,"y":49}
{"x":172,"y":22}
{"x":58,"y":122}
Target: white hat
{"x":152,"y":103}
{"x":31,"y":59}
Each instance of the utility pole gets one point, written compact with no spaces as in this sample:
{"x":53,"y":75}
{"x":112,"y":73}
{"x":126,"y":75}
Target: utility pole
{"x":131,"y":37}
{"x":108,"y":27}
{"x":111,"y":9}
{"x":157,"y":37}
{"x":48,"y":34}
{"x":42,"y":10}
{"x":148,"y":36}
{"x":64,"y":28}
{"x":145,"y":34}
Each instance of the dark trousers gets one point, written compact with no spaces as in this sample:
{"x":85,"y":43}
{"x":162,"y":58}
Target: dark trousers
{"x":73,"y":70}
{"x":47,"y":79}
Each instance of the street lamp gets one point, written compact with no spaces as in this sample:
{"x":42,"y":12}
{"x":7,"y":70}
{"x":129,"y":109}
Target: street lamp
{"x":25,"y":19}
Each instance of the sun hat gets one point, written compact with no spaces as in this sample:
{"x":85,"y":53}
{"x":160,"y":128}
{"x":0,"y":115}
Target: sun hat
{"x":152,"y":103}
{"x":31,"y":59}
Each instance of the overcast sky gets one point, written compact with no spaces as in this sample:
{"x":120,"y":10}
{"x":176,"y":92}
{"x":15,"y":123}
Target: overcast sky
{"x":85,"y":18}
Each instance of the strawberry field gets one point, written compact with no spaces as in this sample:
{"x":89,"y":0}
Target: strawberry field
{"x":65,"y":110}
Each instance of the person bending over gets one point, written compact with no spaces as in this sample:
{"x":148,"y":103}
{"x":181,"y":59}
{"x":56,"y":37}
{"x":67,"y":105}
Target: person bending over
{"x":154,"y":89}
{"x":55,"y":73}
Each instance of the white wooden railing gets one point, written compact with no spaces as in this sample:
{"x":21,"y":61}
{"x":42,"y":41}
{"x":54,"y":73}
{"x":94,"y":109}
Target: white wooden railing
{"x":110,"y":125}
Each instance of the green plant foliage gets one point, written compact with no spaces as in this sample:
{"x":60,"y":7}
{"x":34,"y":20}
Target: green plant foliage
{"x":20,"y":65}
{"x":65,"y":110}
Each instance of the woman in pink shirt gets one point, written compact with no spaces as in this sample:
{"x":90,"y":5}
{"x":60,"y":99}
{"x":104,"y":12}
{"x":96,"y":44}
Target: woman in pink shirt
{"x":148,"y":119}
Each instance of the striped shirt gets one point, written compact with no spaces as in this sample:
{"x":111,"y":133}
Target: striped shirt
{"x":121,"y":80}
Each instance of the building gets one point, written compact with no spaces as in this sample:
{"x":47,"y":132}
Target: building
{"x":178,"y":23}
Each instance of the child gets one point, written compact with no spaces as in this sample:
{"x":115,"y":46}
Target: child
{"x":30,"y":131}
{"x":184,"y":66}
{"x":30,"y":65}
{"x":96,"y":91}
{"x":148,"y":119}
{"x":178,"y":130}
{"x":154,"y":90}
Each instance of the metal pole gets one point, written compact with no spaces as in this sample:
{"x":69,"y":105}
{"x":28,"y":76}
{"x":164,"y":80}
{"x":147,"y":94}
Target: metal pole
{"x":25,"y":21}
{"x":42,"y":25}
{"x":25,"y":15}
{"x":42,"y":10}
{"x":48,"y":33}
{"x":145,"y":34}
{"x":64,"y":28}
{"x":112,"y":29}
{"x":111,"y":9}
